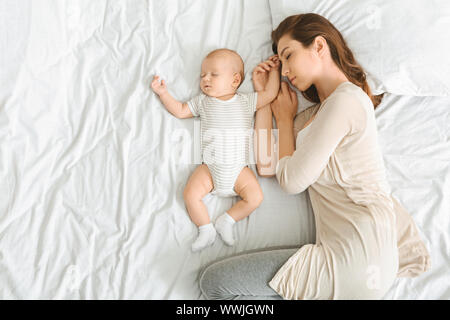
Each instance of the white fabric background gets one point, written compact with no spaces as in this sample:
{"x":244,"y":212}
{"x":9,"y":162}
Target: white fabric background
{"x":92,"y":166}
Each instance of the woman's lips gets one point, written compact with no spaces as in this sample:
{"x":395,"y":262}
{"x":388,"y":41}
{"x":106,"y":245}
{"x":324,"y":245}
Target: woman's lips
{"x":292,"y":79}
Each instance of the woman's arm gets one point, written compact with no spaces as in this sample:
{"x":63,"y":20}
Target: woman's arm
{"x":284,"y":108}
{"x":264,"y":146}
{"x":343,"y":114}
{"x":266,"y":96}
{"x":266,"y":80}
{"x":285,"y":137}
{"x":265,"y":76}
{"x":268,"y":150}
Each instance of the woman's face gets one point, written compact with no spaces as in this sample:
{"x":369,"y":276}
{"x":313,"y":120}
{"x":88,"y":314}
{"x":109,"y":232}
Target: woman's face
{"x":300,"y":65}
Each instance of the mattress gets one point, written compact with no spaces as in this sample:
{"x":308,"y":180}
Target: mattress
{"x":93,"y":167}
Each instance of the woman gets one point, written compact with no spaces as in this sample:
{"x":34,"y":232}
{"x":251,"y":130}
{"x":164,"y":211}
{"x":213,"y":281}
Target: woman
{"x":364,"y":237}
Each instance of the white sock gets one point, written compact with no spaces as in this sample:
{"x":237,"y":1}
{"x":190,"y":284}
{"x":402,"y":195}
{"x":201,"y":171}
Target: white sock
{"x":224,"y":226}
{"x":206,"y":236}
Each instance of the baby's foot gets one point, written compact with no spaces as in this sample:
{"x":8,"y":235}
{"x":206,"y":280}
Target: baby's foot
{"x":206,"y":236}
{"x":224,"y":226}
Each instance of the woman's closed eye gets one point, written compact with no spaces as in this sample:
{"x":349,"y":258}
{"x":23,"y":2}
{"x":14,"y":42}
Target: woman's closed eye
{"x":287,"y":57}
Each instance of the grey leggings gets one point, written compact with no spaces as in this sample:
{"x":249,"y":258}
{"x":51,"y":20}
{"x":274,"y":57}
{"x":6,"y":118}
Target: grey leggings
{"x":245,"y":276}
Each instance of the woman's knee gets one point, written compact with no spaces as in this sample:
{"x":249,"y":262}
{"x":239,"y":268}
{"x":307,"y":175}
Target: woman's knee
{"x":209,"y":282}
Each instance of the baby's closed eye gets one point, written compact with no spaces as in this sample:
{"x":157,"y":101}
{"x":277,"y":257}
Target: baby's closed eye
{"x":212,"y":74}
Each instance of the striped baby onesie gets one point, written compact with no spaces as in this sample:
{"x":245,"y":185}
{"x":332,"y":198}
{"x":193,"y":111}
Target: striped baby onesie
{"x":226,"y":132}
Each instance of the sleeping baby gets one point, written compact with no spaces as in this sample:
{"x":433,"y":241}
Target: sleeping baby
{"x":226,"y":119}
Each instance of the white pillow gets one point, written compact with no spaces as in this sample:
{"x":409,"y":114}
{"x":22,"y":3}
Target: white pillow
{"x":402,"y":45}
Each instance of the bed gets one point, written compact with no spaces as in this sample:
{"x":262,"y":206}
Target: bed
{"x":93,"y":167}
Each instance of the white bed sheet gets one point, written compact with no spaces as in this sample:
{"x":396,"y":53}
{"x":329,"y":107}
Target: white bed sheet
{"x":91,"y":175}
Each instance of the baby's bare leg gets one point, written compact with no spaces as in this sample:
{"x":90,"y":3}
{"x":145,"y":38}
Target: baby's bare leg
{"x":247,"y":187}
{"x":250,"y":191}
{"x":200,"y":183}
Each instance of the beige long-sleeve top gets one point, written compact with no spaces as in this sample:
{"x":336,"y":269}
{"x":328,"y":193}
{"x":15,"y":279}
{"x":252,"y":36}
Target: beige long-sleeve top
{"x":364,"y":237}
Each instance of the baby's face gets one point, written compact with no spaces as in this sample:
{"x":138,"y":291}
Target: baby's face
{"x":218,"y":76}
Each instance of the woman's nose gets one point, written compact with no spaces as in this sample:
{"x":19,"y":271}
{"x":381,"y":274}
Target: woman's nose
{"x":284,"y":70}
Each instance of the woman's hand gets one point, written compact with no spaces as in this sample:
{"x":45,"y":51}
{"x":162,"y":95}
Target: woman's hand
{"x":284,"y":107}
{"x":260,"y":74}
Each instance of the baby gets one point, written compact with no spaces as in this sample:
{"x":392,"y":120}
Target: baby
{"x":225,"y":115}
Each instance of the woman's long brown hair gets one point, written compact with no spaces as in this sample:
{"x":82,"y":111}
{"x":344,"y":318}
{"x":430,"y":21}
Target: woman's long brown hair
{"x":305,"y":28}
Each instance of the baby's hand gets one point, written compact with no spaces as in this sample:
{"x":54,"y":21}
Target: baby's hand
{"x":159,"y":88}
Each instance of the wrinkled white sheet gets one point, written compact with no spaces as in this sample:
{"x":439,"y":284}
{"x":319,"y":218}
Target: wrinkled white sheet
{"x":92,"y":166}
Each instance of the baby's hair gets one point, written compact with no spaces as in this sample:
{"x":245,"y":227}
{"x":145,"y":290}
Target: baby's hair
{"x":235,"y":56}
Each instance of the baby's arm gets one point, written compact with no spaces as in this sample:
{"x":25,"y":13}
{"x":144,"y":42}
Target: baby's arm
{"x":175,"y":107}
{"x":267,"y":91}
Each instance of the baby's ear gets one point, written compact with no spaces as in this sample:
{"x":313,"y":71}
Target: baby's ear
{"x":237,"y":79}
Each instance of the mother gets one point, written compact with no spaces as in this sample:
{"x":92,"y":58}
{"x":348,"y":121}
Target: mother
{"x":364,"y":237}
